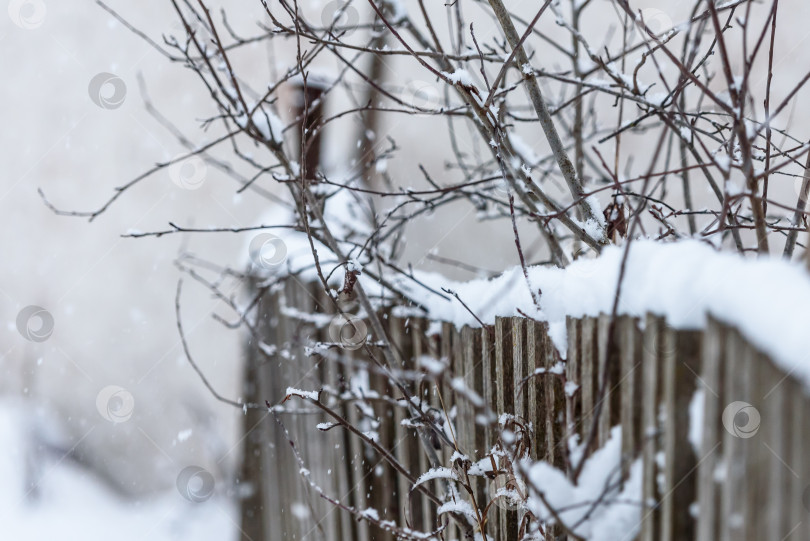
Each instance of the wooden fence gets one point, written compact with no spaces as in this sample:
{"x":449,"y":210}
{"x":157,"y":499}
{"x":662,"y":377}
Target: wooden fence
{"x":747,"y":477}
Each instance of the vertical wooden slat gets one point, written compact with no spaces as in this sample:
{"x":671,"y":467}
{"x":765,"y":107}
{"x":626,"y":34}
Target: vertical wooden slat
{"x":737,"y":388}
{"x":681,"y":365}
{"x":797,"y":417}
{"x":609,"y":368}
{"x":651,"y":433}
{"x":446,"y":403}
{"x":589,"y":361}
{"x":758,"y":458}
{"x":773,"y":448}
{"x":573,"y":401}
{"x":555,"y":417}
{"x":421,"y":506}
{"x":505,"y":404}
{"x":711,"y":450}
{"x":490,"y":370}
{"x":804,"y":445}
{"x":536,"y":387}
{"x":555,"y":407}
{"x":519,"y":369}
{"x":630,"y":390}
{"x":398,"y":332}
{"x":252,"y":476}
{"x":327,"y":471}
{"x":476,"y":444}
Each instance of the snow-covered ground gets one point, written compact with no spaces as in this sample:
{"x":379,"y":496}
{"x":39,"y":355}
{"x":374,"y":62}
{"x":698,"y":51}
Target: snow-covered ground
{"x":45,"y":494}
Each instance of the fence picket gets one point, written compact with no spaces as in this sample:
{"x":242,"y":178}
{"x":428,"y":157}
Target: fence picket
{"x":735,"y":460}
{"x":711,"y":451}
{"x":681,"y":366}
{"x":588,"y":364}
{"x":651,"y":432}
{"x":629,"y":338}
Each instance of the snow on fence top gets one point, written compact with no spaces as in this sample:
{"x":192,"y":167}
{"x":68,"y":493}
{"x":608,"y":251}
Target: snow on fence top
{"x":767,"y":299}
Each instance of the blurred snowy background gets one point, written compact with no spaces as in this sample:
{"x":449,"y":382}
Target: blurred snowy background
{"x":98,"y":421}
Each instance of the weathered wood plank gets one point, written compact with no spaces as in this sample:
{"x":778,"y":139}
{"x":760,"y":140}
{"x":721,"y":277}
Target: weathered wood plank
{"x":609,"y":369}
{"x":555,"y":418}
{"x":252,"y":476}
{"x":797,"y":523}
{"x":519,"y":369}
{"x":573,"y":400}
{"x":681,"y":365}
{"x":475,"y":442}
{"x":536,"y":387}
{"x":738,"y":378}
{"x":505,"y":404}
{"x":589,"y":361}
{"x":629,"y":338}
{"x":711,"y":376}
{"x":651,"y":435}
